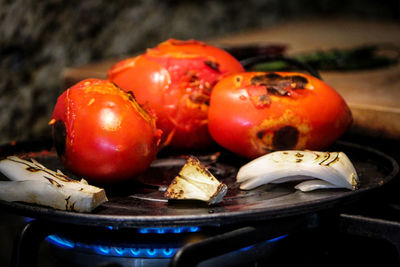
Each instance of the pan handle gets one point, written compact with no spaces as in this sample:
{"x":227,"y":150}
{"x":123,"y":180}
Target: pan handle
{"x":27,"y":243}
{"x":194,"y":253}
{"x":371,"y":227}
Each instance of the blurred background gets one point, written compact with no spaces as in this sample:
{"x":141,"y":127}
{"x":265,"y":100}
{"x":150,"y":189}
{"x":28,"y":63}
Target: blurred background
{"x":39,"y":39}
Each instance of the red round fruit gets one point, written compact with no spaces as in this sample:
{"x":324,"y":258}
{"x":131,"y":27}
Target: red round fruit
{"x":253,"y":113}
{"x":102,"y":133}
{"x":176,"y":79}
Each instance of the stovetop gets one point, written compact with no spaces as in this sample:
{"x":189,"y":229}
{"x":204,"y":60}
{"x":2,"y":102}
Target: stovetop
{"x":362,"y":232}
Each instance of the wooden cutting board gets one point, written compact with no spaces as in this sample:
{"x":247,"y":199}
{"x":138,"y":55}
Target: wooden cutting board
{"x":373,"y":95}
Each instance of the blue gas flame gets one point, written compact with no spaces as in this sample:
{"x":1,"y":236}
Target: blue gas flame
{"x":139,"y":251}
{"x":169,"y":230}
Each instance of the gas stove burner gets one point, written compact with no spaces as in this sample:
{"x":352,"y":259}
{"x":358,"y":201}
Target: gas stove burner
{"x":152,"y":251}
{"x":129,"y":251}
{"x":166,"y":230}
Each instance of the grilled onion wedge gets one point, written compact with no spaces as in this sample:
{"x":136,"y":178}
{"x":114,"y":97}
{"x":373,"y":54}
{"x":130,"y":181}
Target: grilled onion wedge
{"x":31,"y":182}
{"x":333,"y":169}
{"x":195,"y":182}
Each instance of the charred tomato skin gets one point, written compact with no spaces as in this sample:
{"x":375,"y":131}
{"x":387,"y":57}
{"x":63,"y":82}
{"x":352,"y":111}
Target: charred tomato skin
{"x":253,"y":113}
{"x":176,"y":79}
{"x":102,"y":134}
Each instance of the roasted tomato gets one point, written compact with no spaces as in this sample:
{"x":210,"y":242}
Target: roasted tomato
{"x":176,"y":79}
{"x":253,"y":113}
{"x":102,"y":133}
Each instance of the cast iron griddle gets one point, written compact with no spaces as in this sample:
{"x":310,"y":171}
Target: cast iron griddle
{"x":143,"y":204}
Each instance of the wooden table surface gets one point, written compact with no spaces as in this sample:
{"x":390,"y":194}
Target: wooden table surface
{"x":373,"y":95}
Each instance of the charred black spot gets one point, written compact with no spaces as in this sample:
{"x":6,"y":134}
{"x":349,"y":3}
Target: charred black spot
{"x":273,"y":75}
{"x":279,"y":85}
{"x":266,"y":79}
{"x":334,"y":160}
{"x":31,"y":169}
{"x":300,"y":81}
{"x":206,"y":172}
{"x":264,"y":99}
{"x":199,"y":98}
{"x":285,"y":138}
{"x":298,"y":160}
{"x":299,"y":155}
{"x":64,"y":178}
{"x":212,"y":64}
{"x":53,"y":182}
{"x":259,"y":79}
{"x":193,"y":78}
{"x":260,"y":134}
{"x":325,"y":159}
{"x":131,"y":96}
{"x":277,"y":90}
{"x":67,"y":202}
{"x":59,"y":137}
{"x":274,"y":83}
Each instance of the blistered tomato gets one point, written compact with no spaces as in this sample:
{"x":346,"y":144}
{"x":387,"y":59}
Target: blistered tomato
{"x":254,"y":113}
{"x":176,"y":79}
{"x":102,"y":134}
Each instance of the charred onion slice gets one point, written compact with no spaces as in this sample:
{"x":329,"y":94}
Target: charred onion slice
{"x":334,"y":168}
{"x":195,"y":182}
{"x":32,"y":182}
